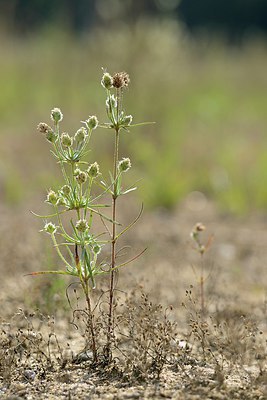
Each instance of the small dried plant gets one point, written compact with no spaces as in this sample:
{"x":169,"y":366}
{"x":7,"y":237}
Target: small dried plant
{"x":201,"y":248}
{"x":73,"y":237}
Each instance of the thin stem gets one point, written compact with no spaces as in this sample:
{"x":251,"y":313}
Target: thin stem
{"x":88,"y":195}
{"x":84,"y":283}
{"x":91,"y":323}
{"x":113,"y":244}
{"x":58,"y":251}
{"x":202,"y":294}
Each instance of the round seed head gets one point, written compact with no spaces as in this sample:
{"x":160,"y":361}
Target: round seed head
{"x":50,"y":228}
{"x":93,"y":170}
{"x":56,"y":115}
{"x":52,"y":197}
{"x":107,"y":81}
{"x":81,"y":177}
{"x":80,"y":135}
{"x":66,"y":190}
{"x":51,"y":136}
{"x":47,"y":131}
{"x":66,"y":140}
{"x":81,"y":225}
{"x":43,"y":127}
{"x":124,"y":165}
{"x":121,"y":80}
{"x":92,"y":122}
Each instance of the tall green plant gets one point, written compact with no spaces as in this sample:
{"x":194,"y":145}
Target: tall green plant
{"x":77,"y":246}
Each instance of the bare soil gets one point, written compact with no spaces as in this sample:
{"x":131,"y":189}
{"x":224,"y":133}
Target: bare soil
{"x":227,"y":361}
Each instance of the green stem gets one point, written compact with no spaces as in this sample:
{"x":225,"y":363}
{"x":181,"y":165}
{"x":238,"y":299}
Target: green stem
{"x":58,"y":251}
{"x":88,"y":194}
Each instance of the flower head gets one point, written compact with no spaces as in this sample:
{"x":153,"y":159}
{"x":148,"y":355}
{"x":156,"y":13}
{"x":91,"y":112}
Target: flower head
{"x":121,"y":80}
{"x":80,"y":135}
{"x":124,"y":165}
{"x":81,"y":225}
{"x":56,"y":115}
{"x":50,"y":228}
{"x":66,"y":189}
{"x":66,"y":140}
{"x":107,"y":81}
{"x":52,"y":197}
{"x":48,"y":131}
{"x":92,"y":122}
{"x":93,"y":170}
{"x":81,"y":177}
{"x":44,"y":128}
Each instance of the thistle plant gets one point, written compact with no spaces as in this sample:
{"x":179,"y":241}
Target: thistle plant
{"x":78,"y":248}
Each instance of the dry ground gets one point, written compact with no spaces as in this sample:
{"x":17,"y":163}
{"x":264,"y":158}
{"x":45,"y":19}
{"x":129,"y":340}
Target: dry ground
{"x":232,"y":364}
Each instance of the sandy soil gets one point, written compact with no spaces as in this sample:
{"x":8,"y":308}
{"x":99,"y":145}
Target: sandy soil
{"x":235,"y":291}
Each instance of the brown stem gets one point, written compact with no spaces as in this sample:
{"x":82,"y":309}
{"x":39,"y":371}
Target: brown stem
{"x":113,"y":246}
{"x":86,"y":293}
{"x":91,"y":324}
{"x":202,"y":294}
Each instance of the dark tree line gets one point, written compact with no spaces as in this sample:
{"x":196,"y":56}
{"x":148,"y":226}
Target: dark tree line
{"x":233,"y":17}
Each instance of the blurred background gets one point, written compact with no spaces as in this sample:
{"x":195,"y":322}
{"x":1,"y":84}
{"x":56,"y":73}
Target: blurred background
{"x":198,"y":69}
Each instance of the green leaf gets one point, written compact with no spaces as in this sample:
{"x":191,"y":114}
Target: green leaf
{"x":59,"y":272}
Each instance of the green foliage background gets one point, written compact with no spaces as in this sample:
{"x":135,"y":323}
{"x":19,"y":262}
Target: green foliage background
{"x":208,"y":101}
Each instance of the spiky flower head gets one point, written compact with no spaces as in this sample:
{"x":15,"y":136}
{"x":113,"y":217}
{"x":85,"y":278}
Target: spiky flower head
{"x":56,"y":115}
{"x":52,"y":197}
{"x":43,"y":127}
{"x":80,"y":135}
{"x":81,"y":177}
{"x":51,"y":136}
{"x":127,"y":120}
{"x":66,"y":140}
{"x":47,"y":131}
{"x":107,"y":81}
{"x":81,"y":225}
{"x":93,"y":170}
{"x":50,"y":228}
{"x":111,"y":102}
{"x":121,"y":80}
{"x":66,"y":190}
{"x":124,"y":165}
{"x":92,"y":122}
